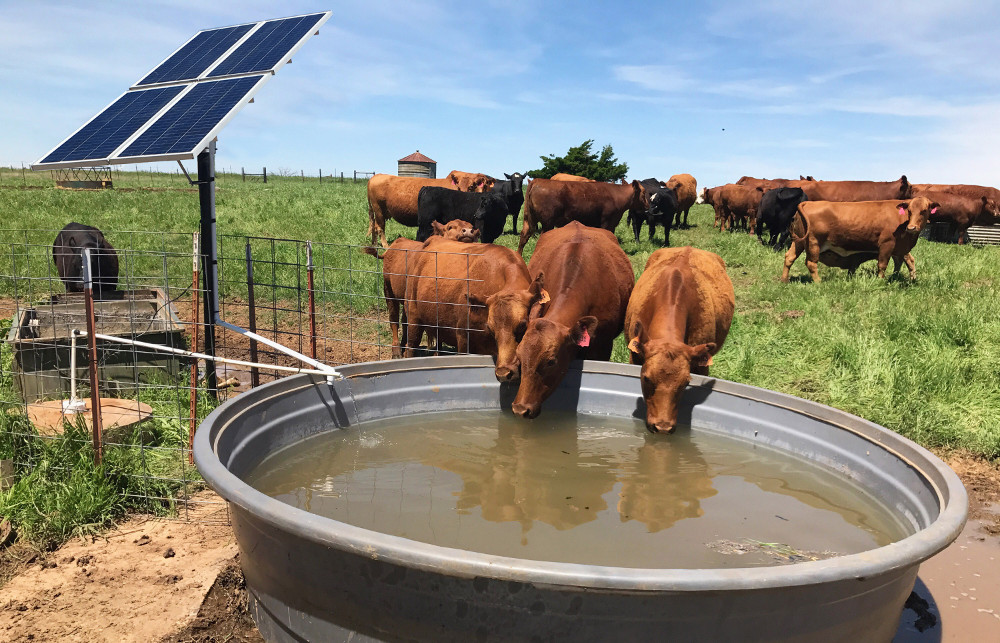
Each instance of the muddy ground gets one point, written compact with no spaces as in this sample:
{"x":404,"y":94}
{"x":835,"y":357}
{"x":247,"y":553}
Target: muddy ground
{"x":177,"y":581}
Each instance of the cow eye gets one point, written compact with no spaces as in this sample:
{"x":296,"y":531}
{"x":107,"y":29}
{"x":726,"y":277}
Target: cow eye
{"x":550,"y":362}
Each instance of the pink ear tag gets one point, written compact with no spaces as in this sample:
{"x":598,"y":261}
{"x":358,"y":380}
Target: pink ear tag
{"x":933,"y":210}
{"x":585,"y":340}
{"x":902,"y":212}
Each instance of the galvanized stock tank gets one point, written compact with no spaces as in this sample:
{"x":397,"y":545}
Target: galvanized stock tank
{"x":316,"y":579}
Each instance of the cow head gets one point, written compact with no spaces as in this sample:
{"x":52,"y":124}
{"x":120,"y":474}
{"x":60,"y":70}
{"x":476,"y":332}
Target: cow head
{"x":666,"y":370}
{"x":505,"y":315}
{"x":990,"y":213}
{"x":456,"y":230}
{"x":545,"y":354}
{"x":915,"y":213}
{"x":516,"y":180}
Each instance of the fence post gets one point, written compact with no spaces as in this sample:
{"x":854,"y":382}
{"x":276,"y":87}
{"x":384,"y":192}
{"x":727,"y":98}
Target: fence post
{"x":194,"y":348}
{"x":355,"y":176}
{"x":265,"y":175}
{"x":254,"y":373}
{"x":341,"y":177}
{"x":243,"y":171}
{"x":312,"y":299}
{"x":95,"y":394}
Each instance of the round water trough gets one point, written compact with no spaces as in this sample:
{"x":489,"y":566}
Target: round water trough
{"x":313,"y":578}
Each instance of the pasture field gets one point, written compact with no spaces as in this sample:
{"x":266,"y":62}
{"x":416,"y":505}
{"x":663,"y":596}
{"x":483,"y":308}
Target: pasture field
{"x":919,"y":358}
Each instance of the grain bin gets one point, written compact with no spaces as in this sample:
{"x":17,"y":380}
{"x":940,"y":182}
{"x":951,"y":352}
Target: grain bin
{"x":417,"y":164}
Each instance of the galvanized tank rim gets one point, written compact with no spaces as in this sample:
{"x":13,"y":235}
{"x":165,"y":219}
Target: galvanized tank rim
{"x":914,"y":549}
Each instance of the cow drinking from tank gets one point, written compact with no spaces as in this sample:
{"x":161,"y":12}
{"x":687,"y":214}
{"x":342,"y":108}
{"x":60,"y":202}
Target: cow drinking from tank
{"x":678,"y":317}
{"x":589,"y":279}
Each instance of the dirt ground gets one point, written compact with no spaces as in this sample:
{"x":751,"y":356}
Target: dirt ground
{"x":173,"y":581}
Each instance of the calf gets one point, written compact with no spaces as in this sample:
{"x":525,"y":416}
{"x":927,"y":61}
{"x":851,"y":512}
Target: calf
{"x":738,"y":205}
{"x":846,"y":235}
{"x":552,"y":204}
{"x":486,"y":211}
{"x":677,"y":318}
{"x":685,"y":187}
{"x":513,"y":193}
{"x":777,"y":207}
{"x":67,"y":253}
{"x":589,"y":278}
{"x":396,"y":265}
{"x":475,"y":297}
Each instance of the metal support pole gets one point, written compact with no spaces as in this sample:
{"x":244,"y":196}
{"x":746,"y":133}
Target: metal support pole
{"x":95,"y":395}
{"x":265,"y":175}
{"x":194,"y":348}
{"x":210,"y":259}
{"x":254,"y":371}
{"x":312,"y":299}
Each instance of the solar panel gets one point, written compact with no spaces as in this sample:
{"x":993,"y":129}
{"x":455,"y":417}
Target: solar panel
{"x":105,"y":132}
{"x":186,"y":125}
{"x":267,"y":46}
{"x":178,"y":120}
{"x":196,"y":55}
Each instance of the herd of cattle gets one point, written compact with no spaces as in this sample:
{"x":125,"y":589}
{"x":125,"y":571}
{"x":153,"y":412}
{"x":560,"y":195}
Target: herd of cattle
{"x":577,"y":293}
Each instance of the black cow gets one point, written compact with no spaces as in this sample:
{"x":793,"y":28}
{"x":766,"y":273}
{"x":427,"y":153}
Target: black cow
{"x":661,"y":209}
{"x":512,"y":192}
{"x":67,"y":252}
{"x":777,"y":207}
{"x":486,"y":210}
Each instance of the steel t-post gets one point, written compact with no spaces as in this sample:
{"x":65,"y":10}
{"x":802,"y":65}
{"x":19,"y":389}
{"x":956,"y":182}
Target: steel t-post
{"x":210,"y":259}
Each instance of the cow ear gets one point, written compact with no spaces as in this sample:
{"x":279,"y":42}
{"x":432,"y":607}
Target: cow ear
{"x":635,"y":346}
{"x":477,"y":307}
{"x":538,"y":293}
{"x":509,"y":177}
{"x":583,"y":331}
{"x":475,"y":234}
{"x":438,"y":228}
{"x":701,"y":355}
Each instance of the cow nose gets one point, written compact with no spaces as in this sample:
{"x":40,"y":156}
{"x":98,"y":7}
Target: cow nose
{"x":524,"y":411}
{"x":506,"y":374}
{"x":661,"y":427}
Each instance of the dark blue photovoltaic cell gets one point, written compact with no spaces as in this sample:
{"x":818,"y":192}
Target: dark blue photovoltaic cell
{"x":109,"y":129}
{"x":188,"y":122}
{"x":267,"y":46}
{"x":197,"y":55}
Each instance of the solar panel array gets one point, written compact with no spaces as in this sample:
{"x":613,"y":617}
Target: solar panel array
{"x":176,"y":109}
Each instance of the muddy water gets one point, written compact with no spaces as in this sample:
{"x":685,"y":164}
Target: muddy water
{"x":582,"y":489}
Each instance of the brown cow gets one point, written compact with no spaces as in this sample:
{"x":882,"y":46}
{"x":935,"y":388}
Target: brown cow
{"x":475,"y":297}
{"x":589,"y":278}
{"x":553,"y":204}
{"x":855,"y":190}
{"x":686,"y":188}
{"x":738,"y":206}
{"x":396,"y":265}
{"x":963,"y":210}
{"x":974,"y":191}
{"x":561,"y":176}
{"x":846,"y":235}
{"x":395,"y":197}
{"x":678,"y":317}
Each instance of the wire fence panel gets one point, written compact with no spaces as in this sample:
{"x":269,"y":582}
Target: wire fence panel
{"x":332,"y":302}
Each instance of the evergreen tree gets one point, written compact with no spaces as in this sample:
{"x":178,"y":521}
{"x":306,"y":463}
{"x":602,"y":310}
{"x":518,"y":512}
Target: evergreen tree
{"x":580,"y":160}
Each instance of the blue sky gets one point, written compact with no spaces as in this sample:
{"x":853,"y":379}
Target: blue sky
{"x":719,"y":89}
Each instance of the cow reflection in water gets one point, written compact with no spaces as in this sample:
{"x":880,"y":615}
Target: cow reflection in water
{"x":664,"y":484}
{"x":562,"y":477}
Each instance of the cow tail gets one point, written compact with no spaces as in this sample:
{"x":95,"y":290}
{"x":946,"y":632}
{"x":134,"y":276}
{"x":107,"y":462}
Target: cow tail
{"x":370,"y":250}
{"x":799,"y":227}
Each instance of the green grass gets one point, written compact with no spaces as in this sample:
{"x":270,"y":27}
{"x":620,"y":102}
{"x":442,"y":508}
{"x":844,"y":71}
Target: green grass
{"x":919,"y":358}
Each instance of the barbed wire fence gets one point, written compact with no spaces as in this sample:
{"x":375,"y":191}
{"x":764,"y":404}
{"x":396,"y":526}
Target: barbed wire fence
{"x":324,"y":300}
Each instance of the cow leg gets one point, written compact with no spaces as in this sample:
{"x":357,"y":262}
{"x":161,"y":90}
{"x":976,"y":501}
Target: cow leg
{"x":652,"y":227}
{"x":812,"y":258}
{"x":527,"y":231}
{"x":911,"y":264}
{"x":666,"y":235}
{"x":636,"y":223}
{"x":790,"y":257}
{"x":393,"y":306}
{"x":414,"y":333}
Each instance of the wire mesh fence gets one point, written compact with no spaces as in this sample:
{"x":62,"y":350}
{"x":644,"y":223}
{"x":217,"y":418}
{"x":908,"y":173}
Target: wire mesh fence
{"x":335,"y":303}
